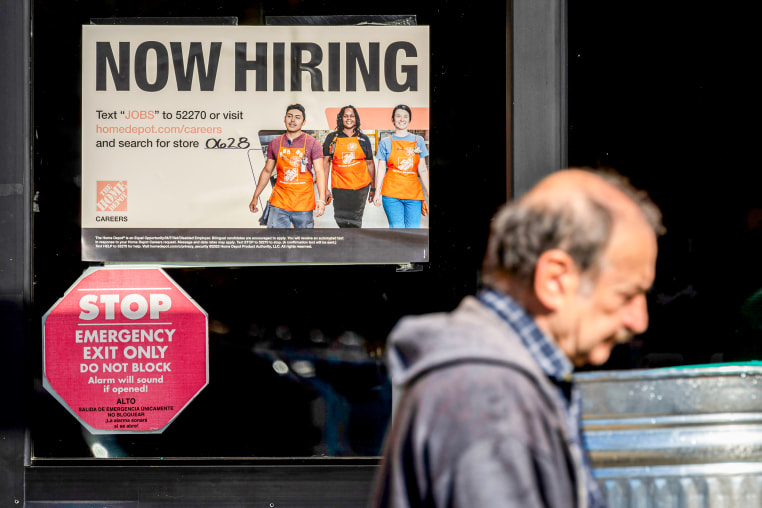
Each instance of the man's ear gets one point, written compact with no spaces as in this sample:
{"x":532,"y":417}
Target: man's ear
{"x":555,"y":278}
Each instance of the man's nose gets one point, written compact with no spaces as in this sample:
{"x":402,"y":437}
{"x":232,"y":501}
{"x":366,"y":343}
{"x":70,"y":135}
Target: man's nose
{"x":636,"y":314}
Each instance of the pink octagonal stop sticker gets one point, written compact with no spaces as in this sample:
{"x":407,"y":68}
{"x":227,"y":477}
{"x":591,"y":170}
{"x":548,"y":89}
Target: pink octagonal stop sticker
{"x":125,"y":350}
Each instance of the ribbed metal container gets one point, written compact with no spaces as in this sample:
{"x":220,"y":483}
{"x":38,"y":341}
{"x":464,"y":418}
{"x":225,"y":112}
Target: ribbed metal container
{"x":683,"y":437}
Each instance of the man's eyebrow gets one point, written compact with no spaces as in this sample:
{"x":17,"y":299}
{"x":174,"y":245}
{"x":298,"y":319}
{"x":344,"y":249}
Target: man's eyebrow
{"x":633,"y":287}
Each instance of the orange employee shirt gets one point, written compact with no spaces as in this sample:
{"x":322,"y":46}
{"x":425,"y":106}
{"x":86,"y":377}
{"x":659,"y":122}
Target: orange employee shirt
{"x":294,"y":188}
{"x":348,"y":167}
{"x":401,"y":179}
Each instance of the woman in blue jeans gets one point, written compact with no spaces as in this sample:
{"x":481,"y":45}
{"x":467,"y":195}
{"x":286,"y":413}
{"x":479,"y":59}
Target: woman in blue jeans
{"x":401,"y":173}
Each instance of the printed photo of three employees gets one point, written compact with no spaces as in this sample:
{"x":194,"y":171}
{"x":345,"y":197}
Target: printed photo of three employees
{"x":345,"y":174}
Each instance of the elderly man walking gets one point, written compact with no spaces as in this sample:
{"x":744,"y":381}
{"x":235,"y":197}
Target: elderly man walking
{"x":489,"y":415}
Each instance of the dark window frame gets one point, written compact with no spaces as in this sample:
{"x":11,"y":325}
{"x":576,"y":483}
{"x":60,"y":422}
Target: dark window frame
{"x":231,"y":481}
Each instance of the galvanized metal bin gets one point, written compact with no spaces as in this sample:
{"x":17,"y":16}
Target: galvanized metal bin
{"x":678,"y":437}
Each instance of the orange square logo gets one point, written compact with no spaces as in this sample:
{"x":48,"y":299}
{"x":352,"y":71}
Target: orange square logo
{"x":112,"y":196}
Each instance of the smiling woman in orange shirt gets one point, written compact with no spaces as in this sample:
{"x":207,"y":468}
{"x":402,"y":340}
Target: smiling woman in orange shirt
{"x":402,"y":174}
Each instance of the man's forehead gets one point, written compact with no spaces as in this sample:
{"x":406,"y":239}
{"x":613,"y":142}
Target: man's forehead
{"x":631,"y":252}
{"x":294,"y":112}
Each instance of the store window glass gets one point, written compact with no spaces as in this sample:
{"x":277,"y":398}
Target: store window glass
{"x":662,"y":97}
{"x":295,"y":350}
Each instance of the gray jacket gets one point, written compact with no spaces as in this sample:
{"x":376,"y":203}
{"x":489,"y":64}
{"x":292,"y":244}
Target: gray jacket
{"x":478,"y":424}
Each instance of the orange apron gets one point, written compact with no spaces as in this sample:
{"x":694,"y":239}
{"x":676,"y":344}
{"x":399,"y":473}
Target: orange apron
{"x":294,"y":190}
{"x":401,"y":179}
{"x":348,"y":167}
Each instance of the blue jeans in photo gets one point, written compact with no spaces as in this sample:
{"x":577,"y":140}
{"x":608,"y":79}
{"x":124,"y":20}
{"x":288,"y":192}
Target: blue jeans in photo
{"x":402,"y":213}
{"x":282,"y":219}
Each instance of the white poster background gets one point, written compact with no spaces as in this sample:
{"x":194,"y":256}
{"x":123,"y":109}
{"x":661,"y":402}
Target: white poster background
{"x":171,"y":186}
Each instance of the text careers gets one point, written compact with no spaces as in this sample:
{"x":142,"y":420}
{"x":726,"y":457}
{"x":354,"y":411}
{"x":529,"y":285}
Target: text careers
{"x":131,"y":306}
{"x":260,"y":63}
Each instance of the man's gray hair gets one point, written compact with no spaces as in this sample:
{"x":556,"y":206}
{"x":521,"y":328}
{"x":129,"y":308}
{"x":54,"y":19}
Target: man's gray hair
{"x":522,"y":231}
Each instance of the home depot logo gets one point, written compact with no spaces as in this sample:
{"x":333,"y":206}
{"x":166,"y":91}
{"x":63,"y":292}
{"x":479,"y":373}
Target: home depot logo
{"x":112,"y":196}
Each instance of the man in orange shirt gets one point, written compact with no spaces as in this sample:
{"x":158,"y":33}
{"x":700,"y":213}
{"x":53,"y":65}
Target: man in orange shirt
{"x":298,"y":158}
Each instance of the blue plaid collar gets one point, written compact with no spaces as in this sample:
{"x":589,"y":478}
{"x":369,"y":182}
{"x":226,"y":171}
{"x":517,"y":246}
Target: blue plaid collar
{"x":557,"y":367}
{"x":544,"y":351}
